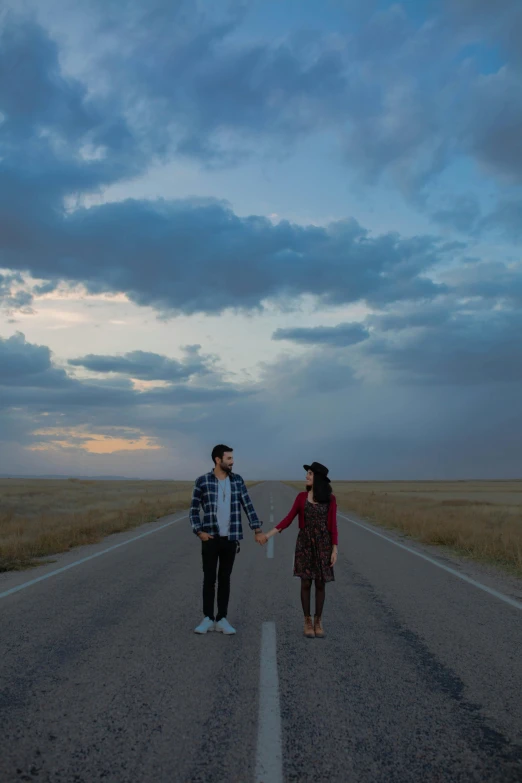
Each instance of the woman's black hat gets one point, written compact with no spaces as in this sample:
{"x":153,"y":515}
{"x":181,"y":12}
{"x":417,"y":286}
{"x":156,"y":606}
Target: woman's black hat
{"x":316,"y":467}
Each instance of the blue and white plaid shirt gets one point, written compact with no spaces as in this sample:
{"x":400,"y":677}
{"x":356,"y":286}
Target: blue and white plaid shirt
{"x":205,"y":493}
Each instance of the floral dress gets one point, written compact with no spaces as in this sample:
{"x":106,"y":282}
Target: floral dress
{"x":313,"y":550}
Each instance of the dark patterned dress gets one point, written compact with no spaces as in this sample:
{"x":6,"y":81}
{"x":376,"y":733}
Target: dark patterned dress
{"x":313,"y":550}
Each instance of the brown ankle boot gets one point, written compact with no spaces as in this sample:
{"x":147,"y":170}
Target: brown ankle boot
{"x":318,"y":627}
{"x":308,"y":628}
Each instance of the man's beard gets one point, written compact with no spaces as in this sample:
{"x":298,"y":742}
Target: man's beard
{"x":227,"y":468}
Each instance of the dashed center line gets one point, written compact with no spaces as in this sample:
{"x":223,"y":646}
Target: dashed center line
{"x":270,"y":545}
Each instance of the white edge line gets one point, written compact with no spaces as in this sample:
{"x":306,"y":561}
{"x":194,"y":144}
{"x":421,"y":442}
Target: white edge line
{"x":501,"y":596}
{"x":269,"y":756}
{"x":89,"y":557}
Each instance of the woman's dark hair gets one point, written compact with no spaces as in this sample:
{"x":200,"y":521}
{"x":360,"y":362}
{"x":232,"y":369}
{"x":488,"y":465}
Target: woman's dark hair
{"x":219,"y":450}
{"x":321,"y":489}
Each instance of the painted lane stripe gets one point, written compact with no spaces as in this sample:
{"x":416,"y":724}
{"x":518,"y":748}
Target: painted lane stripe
{"x":270,"y":544}
{"x":89,"y":557}
{"x":269,"y":758}
{"x":501,"y":596}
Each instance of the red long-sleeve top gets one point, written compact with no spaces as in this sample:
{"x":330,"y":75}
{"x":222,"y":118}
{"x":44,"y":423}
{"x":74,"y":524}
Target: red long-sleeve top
{"x":298,"y":508}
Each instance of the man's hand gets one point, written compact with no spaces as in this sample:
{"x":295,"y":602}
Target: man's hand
{"x":333,"y":559}
{"x":205,"y":536}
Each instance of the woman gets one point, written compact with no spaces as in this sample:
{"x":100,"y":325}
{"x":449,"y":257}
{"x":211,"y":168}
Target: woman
{"x":316,"y":547}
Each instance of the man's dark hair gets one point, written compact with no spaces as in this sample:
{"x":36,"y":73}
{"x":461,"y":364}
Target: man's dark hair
{"x":218,"y":451}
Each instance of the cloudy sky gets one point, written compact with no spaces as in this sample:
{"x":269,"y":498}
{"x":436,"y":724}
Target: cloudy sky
{"x":292,"y":226}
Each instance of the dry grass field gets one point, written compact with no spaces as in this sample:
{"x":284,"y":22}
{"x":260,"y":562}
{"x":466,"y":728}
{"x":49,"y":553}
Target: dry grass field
{"x":477,"y":519}
{"x":41,"y":517}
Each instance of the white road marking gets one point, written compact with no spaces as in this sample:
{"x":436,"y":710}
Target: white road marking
{"x":89,"y":557}
{"x":510,"y":601}
{"x":269,"y":759}
{"x":270,"y":544}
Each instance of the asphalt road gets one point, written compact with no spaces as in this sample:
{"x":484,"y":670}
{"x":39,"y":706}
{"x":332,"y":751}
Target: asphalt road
{"x":102,"y":677}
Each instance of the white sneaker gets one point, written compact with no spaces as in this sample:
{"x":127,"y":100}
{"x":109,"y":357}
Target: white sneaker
{"x":205,"y":625}
{"x":223,"y":626}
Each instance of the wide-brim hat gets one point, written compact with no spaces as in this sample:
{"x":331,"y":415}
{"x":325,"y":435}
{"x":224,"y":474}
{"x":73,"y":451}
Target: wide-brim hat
{"x":316,"y":467}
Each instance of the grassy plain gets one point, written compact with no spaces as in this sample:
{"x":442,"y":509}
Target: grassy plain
{"x":477,"y":519}
{"x":42,"y":517}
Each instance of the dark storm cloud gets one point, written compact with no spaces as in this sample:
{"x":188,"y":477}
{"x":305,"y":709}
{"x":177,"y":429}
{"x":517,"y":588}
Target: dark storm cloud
{"x":426,"y":315}
{"x":24,"y":364}
{"x":417,"y":112}
{"x":178,"y":60}
{"x":395,"y":107}
{"x":340,"y":335}
{"x":431,"y":344}
{"x":29,"y":377}
{"x":188,"y":256}
{"x":181,"y":77}
{"x":393,"y":103}
{"x":61,"y":139}
{"x":148,"y":366}
{"x":164,"y":254}
{"x":466,"y":349}
{"x":53,"y":133}
{"x":79,"y":396}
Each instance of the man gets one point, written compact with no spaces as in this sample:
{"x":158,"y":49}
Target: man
{"x":221,"y":493}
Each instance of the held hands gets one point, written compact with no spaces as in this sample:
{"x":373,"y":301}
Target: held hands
{"x":260,"y":537}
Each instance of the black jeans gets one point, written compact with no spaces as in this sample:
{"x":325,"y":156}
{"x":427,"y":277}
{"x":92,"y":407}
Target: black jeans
{"x":218,"y":549}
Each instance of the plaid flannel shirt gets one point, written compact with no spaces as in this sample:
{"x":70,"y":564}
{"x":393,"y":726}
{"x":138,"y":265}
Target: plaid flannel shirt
{"x":205,"y":493}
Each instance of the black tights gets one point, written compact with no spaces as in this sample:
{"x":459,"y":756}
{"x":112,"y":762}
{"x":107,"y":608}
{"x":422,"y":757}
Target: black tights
{"x":320,"y":591}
